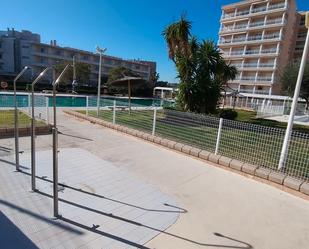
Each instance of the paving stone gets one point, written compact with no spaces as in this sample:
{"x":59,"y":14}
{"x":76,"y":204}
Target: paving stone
{"x":204,"y":154}
{"x":225,"y":161}
{"x":164,"y":142}
{"x":262,"y":172}
{"x":157,"y":140}
{"x":276,"y":177}
{"x":186,"y":149}
{"x":293,"y":183}
{"x":145,"y":136}
{"x":151,"y":138}
{"x":249,"y":168}
{"x":214,"y":158}
{"x":304,"y":188}
{"x":178,"y":146}
{"x":236,"y":164}
{"x":171,"y":144}
{"x":195,"y":152}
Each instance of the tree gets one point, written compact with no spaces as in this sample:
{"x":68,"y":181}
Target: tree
{"x":83,"y":71}
{"x":200,"y":67}
{"x":289,"y":78}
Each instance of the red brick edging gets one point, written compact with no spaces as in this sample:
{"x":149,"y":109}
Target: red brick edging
{"x":264,"y":173}
{"x":26,"y":131}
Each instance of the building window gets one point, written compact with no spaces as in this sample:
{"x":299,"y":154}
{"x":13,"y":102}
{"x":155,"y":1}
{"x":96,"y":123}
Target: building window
{"x":0,"y":56}
{"x":24,"y":46}
{"x":0,"y":45}
{"x":137,"y":66}
{"x":25,"y":57}
{"x":42,"y":50}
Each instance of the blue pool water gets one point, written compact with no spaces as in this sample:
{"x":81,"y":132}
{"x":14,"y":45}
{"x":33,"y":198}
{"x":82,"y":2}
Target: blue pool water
{"x":7,"y":100}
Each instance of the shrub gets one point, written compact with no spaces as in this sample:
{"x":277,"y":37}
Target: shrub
{"x":228,"y":114}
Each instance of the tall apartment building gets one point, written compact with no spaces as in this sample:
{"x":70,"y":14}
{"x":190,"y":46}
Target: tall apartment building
{"x":19,"y":49}
{"x":260,"y":37}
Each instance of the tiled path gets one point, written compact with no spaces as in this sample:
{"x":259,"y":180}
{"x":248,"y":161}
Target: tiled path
{"x":101,"y":205}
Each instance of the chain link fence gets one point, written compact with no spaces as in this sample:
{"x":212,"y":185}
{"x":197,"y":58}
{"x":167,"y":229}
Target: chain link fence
{"x":254,"y":144}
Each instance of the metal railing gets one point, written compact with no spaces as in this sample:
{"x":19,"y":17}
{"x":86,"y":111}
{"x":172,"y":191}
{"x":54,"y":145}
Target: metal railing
{"x":255,"y":144}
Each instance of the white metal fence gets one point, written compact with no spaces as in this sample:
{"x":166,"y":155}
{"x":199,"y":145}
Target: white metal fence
{"x":41,"y":110}
{"x":255,"y":144}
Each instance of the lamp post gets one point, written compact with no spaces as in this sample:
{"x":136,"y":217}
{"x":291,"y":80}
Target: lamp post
{"x":100,"y":51}
{"x":74,"y":83}
{"x":16,"y":119}
{"x":55,"y":144}
{"x":287,"y":137}
{"x":33,"y":128}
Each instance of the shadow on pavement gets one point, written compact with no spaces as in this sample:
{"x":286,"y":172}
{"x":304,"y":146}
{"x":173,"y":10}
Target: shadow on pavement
{"x":245,"y":245}
{"x":12,"y":237}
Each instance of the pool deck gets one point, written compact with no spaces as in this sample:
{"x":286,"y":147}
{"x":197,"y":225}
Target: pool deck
{"x":223,"y":209}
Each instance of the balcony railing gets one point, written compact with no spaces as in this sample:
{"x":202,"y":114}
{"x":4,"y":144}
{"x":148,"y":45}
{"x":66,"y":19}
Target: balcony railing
{"x":248,"y":78}
{"x":252,"y":52}
{"x":276,"y":6}
{"x":269,"y":51}
{"x":267,"y":65}
{"x":237,"y":52}
{"x":271,"y":36}
{"x":264,"y":78}
{"x":239,"y":39}
{"x":254,"y":10}
{"x":256,"y":24}
{"x":260,"y":9}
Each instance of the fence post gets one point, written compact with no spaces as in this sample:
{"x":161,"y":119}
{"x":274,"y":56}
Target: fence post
{"x":29,"y":104}
{"x":114,"y":112}
{"x":87,"y":105}
{"x":219,"y":136}
{"x":154,"y":121}
{"x":47,"y":110}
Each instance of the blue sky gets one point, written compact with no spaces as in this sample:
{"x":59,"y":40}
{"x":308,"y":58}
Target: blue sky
{"x":128,"y":29}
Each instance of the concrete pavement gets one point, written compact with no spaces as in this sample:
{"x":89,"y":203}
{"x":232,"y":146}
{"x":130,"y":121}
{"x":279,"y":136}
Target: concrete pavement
{"x":225,"y":210}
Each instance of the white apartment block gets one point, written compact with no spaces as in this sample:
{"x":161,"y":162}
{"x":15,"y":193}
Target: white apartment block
{"x":19,"y":49}
{"x":260,"y":38}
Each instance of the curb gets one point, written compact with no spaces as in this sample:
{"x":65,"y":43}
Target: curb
{"x":260,"y":172}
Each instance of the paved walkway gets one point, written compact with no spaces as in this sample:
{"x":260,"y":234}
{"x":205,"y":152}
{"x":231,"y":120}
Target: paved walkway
{"x":224,"y":209}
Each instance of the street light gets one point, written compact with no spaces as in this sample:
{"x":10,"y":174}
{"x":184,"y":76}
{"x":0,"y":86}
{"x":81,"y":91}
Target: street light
{"x":287,"y":137}
{"x":55,"y":144}
{"x":74,"y":83}
{"x":16,"y":118}
{"x":101,"y":51}
{"x":33,"y":128}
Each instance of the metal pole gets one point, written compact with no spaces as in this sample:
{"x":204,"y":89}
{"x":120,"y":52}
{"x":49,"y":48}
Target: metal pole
{"x":99,"y":84}
{"x":55,"y":171}
{"x":87,"y":105}
{"x":16,"y":129}
{"x":55,"y":153}
{"x":219,"y":136}
{"x":47,"y":110}
{"x":114,"y":112}
{"x":129,"y":93}
{"x":154,"y":121}
{"x":287,"y":137}
{"x":16,"y":126}
{"x":33,"y":187}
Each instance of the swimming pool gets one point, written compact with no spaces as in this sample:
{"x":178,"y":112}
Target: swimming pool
{"x":7,"y":100}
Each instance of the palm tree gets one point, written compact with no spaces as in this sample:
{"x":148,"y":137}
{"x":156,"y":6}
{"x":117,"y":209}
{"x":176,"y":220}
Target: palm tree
{"x":177,"y":36}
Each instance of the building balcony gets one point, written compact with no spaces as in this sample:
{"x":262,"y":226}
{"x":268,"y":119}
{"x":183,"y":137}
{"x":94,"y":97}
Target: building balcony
{"x":250,"y":39}
{"x":251,"y":53}
{"x":252,"y":26}
{"x":254,"y":11}
{"x":253,"y":80}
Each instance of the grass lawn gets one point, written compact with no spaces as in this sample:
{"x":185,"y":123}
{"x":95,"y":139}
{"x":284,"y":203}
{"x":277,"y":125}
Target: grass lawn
{"x":249,"y":117}
{"x":7,"y":119}
{"x":257,"y":146}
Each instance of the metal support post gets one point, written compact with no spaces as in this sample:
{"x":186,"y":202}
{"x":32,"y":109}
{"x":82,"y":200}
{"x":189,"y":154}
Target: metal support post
{"x":114,"y":112}
{"x":154,"y":121}
{"x":219,"y":136}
